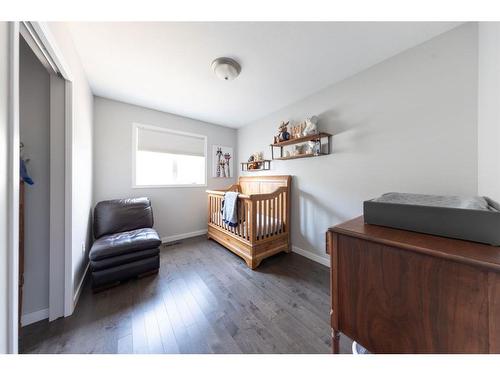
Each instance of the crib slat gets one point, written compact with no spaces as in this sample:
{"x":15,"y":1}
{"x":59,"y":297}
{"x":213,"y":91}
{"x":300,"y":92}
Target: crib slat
{"x":245,"y":223}
{"x":279,"y":213}
{"x":271,"y":202}
{"x":248,"y":219}
{"x":240,"y":218}
{"x":261,"y":218}
{"x":275,"y":214}
{"x":252,"y":220}
{"x":285,"y":207}
{"x":216,"y":211}
{"x":240,"y":212}
{"x":271,"y":223}
{"x":268,"y":217}
{"x":257,"y":225}
{"x":219,"y":219}
{"x":283,"y":212}
{"x":237,"y":229}
{"x":242,"y":222}
{"x":265,"y":218}
{"x":238,"y":205}
{"x":212,"y":209}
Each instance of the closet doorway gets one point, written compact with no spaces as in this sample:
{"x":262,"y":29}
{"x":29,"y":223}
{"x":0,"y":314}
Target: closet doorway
{"x":45,"y":183}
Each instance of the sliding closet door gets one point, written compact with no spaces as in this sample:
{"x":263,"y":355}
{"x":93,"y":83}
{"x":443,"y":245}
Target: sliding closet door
{"x":57,"y":206}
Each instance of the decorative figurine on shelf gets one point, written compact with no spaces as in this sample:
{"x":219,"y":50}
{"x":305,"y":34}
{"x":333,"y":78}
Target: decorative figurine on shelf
{"x":314,"y":147}
{"x":299,"y":150}
{"x":310,"y":147}
{"x":311,"y":127}
{"x":293,"y":131}
{"x":255,"y":160}
{"x":283,"y":134}
{"x":297,"y":130}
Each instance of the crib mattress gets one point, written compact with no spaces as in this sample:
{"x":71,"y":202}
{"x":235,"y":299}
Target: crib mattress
{"x":472,"y":219}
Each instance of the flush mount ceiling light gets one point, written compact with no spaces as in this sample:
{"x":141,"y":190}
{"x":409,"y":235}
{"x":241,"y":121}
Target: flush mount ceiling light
{"x":226,"y":68}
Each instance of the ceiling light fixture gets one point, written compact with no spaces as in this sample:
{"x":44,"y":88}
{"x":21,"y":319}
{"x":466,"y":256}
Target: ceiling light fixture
{"x":226,"y":68}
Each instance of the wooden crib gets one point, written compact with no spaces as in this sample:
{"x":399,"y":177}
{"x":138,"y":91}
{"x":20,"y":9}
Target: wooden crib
{"x":263,"y":227}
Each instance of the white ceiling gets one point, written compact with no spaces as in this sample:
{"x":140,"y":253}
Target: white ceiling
{"x":166,"y":65}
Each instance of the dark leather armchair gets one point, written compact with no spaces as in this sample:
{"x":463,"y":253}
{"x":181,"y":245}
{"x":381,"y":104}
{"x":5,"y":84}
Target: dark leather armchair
{"x":125,"y":243}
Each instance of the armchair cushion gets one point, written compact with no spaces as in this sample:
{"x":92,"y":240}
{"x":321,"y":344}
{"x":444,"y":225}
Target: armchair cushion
{"x":122,"y":215}
{"x":107,"y":263}
{"x":112,"y":245}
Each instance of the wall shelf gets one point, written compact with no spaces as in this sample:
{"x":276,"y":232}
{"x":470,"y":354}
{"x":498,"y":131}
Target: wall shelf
{"x":307,"y":138}
{"x":314,"y":137}
{"x":300,"y":156}
{"x":263,"y":165}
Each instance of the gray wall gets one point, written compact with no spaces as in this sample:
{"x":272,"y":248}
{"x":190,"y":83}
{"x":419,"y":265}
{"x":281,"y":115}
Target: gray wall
{"x":177,"y":211}
{"x":407,"y":124}
{"x":489,"y":110}
{"x":34,"y":132}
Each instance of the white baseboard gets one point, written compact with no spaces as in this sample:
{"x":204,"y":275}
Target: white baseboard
{"x":80,"y":284}
{"x":182,"y":236}
{"x":34,"y":317}
{"x":310,"y":255}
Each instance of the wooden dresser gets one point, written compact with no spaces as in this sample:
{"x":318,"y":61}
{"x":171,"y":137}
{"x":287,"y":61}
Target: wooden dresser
{"x":395,"y":291}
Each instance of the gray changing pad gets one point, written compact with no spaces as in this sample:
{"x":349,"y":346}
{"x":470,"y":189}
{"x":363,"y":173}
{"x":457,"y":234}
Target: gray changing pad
{"x":450,"y":201}
{"x":473,"y":218}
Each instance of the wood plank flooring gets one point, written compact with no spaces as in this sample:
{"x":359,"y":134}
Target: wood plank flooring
{"x":204,"y":300}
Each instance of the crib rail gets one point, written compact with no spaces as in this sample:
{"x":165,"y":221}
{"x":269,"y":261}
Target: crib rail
{"x":260,"y":216}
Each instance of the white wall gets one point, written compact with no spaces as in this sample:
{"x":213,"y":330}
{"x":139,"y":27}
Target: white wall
{"x":4,"y":167}
{"x":407,"y":124}
{"x":489,"y":110}
{"x":177,"y":211}
{"x":34,"y":132}
{"x":81,"y":158}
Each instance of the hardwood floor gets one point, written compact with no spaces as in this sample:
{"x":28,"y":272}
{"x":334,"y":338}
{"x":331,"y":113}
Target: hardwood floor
{"x":200,"y":304}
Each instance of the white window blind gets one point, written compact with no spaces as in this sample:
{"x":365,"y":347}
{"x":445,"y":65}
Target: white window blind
{"x":170,"y":142}
{"x":164,"y":157}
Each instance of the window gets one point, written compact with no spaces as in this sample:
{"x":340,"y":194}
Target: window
{"x":163,"y":157}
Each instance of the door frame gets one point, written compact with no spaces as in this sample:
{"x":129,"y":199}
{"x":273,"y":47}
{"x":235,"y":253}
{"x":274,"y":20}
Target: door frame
{"x":47,"y":39}
{"x":49,"y":45}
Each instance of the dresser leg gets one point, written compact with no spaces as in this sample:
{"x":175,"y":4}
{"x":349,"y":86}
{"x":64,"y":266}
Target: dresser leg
{"x":335,"y":341}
